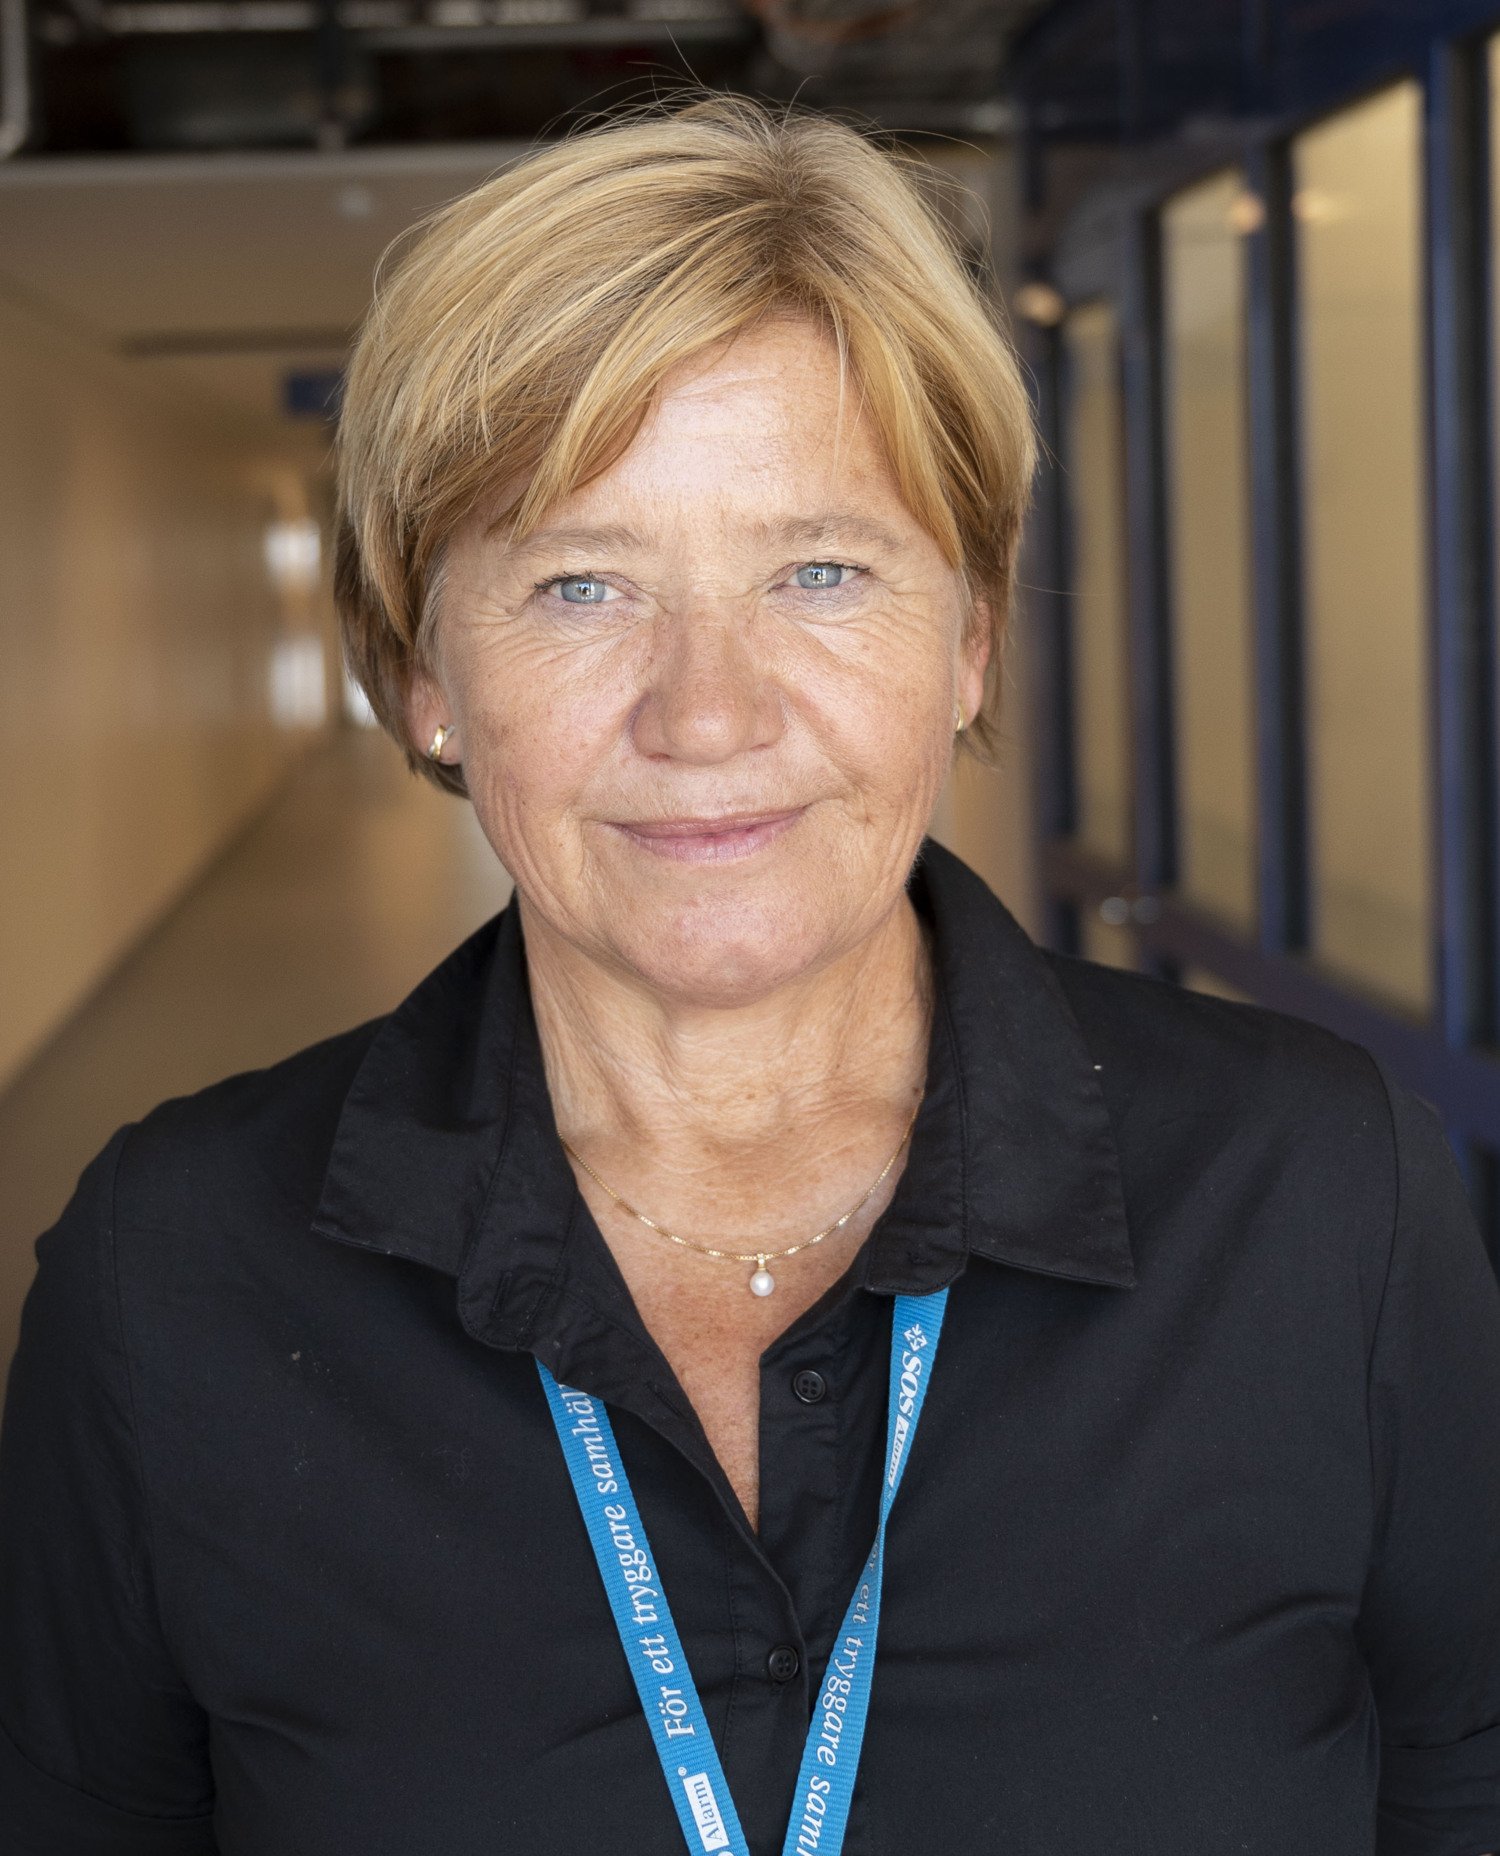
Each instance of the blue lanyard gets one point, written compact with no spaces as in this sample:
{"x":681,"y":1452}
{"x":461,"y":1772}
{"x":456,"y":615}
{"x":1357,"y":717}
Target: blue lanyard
{"x":679,"y":1727}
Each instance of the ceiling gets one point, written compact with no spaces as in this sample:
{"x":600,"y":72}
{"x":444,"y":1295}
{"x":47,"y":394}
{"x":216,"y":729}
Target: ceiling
{"x":221,"y":275}
{"x":205,"y":186}
{"x":141,"y":75}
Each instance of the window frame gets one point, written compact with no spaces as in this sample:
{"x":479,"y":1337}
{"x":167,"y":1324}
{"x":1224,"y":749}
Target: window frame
{"x":1109,"y":243}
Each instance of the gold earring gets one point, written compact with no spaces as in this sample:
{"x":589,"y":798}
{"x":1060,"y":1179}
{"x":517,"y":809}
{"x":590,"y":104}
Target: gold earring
{"x":437,"y":741}
{"x":959,"y":723}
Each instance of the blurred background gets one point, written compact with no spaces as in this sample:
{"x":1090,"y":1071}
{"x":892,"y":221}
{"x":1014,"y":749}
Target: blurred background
{"x":1251,"y":696}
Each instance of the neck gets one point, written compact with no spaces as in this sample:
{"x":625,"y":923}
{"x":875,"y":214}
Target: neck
{"x":804,"y":1076}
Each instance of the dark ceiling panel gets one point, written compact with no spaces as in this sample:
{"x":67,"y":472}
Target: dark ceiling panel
{"x":226,"y":74}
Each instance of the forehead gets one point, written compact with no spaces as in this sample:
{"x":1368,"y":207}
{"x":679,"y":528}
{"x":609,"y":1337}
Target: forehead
{"x":760,"y":434}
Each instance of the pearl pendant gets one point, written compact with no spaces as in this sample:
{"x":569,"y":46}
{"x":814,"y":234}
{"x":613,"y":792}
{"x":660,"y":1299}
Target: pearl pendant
{"x":762,"y":1282}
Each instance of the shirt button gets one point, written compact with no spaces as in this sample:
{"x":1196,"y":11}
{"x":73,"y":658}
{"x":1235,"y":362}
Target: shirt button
{"x":783,"y":1663}
{"x":809,"y":1386}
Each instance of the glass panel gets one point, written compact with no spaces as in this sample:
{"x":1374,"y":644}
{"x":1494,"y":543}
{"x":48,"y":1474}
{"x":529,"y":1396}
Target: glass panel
{"x":1203,"y":280}
{"x":1357,"y":204}
{"x":1094,"y":465}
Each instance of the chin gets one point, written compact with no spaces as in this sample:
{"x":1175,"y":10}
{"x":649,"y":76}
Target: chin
{"x":719,"y":957}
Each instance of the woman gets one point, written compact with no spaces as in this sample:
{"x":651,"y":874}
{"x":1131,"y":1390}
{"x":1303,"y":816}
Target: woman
{"x":470,"y":1434}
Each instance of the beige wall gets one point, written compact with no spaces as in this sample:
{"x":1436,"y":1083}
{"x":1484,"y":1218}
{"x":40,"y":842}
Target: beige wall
{"x":1357,"y":209}
{"x":138,"y":626}
{"x":985,"y":813}
{"x":1208,"y":451}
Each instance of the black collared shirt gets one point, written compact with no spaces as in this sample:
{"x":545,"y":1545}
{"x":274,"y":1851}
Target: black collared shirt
{"x":1198,"y":1549}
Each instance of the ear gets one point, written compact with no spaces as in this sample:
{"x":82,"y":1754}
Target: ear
{"x":427,"y":709}
{"x":974,"y":657}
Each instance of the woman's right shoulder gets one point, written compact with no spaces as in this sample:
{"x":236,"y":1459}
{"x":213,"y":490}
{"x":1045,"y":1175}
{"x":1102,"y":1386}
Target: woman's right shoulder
{"x":199,"y":1161}
{"x":149,"y":1257}
{"x":193,"y":1155}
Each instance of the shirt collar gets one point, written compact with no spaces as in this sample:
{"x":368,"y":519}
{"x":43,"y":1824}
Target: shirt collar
{"x":446,"y":1152}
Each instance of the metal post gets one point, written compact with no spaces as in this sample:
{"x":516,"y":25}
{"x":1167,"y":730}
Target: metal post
{"x":1271,"y":404}
{"x":1148,"y":591}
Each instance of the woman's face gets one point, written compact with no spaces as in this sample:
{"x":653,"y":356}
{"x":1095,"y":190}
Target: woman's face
{"x":704,"y":714}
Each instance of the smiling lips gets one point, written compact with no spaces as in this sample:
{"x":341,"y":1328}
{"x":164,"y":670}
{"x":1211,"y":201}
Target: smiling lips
{"x":710,"y":840}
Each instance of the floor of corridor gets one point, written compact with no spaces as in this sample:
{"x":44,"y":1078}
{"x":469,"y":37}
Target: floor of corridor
{"x":325,"y":911}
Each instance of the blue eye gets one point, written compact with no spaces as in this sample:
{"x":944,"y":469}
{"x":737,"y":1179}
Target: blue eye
{"x":579,"y":589}
{"x":822,"y":573}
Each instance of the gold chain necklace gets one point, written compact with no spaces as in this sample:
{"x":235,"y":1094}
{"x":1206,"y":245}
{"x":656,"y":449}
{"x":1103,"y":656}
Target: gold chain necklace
{"x":762,"y":1282}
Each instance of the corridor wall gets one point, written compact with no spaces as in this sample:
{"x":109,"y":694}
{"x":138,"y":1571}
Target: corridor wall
{"x":143,"y":655}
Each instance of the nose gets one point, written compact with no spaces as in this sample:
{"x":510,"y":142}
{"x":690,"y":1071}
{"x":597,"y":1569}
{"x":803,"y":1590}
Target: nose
{"x":708,"y":695}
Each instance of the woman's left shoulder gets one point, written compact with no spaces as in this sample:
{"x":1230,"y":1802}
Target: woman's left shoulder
{"x":1253,"y":1121}
{"x":1165,"y":1051}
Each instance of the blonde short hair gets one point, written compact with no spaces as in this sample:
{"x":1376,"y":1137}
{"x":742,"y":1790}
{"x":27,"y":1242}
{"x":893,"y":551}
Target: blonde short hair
{"x":520,"y":338}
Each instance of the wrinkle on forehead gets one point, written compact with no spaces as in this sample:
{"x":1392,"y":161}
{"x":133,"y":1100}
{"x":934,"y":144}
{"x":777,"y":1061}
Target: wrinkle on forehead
{"x":843,"y":524}
{"x":724,"y":414}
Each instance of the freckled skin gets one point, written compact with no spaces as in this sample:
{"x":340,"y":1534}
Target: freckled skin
{"x":734,"y":1042}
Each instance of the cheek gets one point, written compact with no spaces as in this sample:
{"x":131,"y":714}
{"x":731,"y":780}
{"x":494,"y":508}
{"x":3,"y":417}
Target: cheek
{"x":537,"y":743}
{"x":892,"y":734}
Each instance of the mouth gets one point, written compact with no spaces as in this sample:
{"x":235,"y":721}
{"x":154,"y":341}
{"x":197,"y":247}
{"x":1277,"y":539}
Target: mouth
{"x":721,"y":839}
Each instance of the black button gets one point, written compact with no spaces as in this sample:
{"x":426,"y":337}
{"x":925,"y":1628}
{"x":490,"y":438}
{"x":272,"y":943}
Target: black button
{"x":783,"y":1663}
{"x":809,"y":1386}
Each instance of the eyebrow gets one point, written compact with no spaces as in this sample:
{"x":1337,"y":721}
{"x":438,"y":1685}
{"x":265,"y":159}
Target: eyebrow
{"x":610,"y":535}
{"x":829,"y":525}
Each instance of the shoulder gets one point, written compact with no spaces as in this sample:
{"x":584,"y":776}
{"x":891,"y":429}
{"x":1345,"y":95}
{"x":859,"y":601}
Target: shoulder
{"x":1165,"y":1050}
{"x":256,"y":1138}
{"x":160,"y":1205}
{"x":1254,"y":1133}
